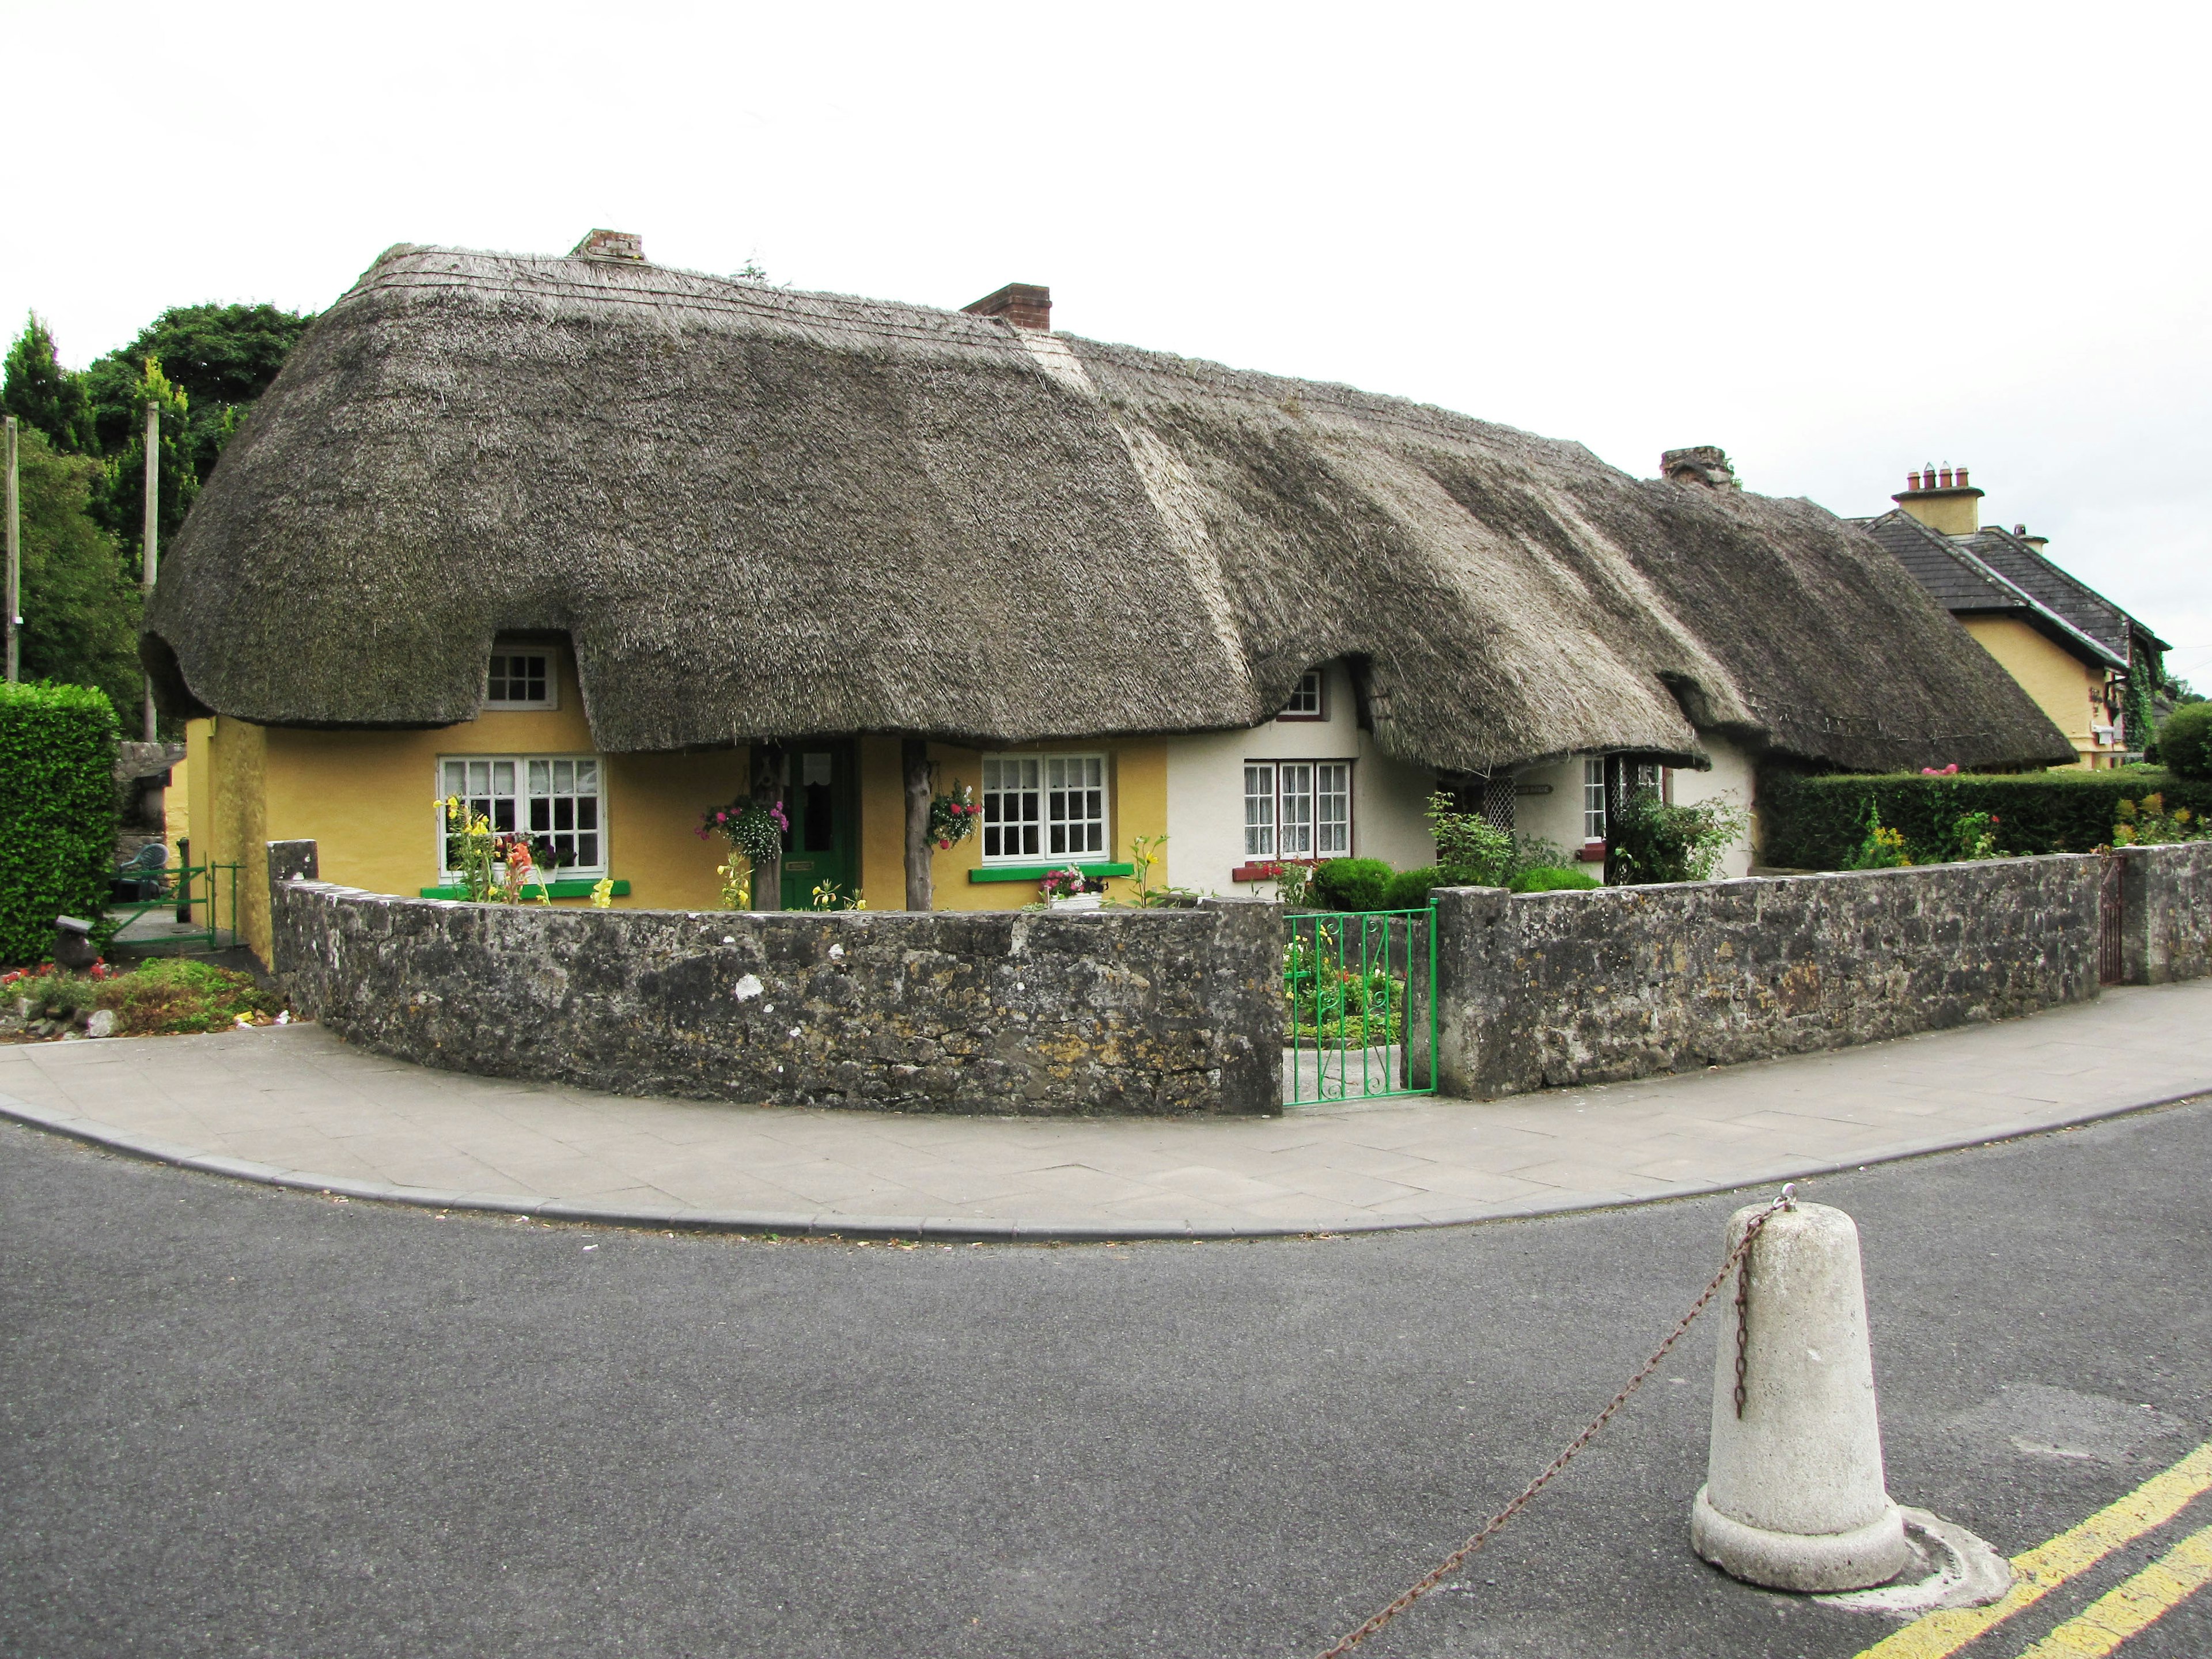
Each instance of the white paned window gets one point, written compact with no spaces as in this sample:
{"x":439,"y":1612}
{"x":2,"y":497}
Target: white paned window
{"x":554,"y":800}
{"x":1305,"y":702}
{"x":1259,"y":809}
{"x":1298,"y":809}
{"x":1593,"y":797}
{"x":520,"y":679}
{"x":1044,"y":807}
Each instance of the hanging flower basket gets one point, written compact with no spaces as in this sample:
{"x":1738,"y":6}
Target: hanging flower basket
{"x":953,"y":816}
{"x":757,"y":831}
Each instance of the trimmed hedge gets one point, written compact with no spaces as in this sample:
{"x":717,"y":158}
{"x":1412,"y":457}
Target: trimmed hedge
{"x":1350,"y":885}
{"x":2184,"y":742}
{"x":57,"y":811}
{"x":1818,"y":823}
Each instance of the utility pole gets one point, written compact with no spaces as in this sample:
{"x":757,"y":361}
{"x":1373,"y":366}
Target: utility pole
{"x":14,"y":595}
{"x":150,"y":566}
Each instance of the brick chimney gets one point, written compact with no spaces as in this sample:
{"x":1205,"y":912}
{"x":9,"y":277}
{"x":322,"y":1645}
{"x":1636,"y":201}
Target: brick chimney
{"x":1941,"y":499}
{"x":1025,"y":305}
{"x":1706,"y":465}
{"x":611,"y":245}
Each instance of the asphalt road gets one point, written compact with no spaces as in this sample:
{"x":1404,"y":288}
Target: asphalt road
{"x":241,"y":1422}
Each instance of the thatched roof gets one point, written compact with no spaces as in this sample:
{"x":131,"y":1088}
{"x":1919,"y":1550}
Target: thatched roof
{"x":765,"y":513}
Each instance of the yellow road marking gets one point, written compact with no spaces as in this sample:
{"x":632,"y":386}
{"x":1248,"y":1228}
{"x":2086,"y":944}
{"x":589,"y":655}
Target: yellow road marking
{"x":2046,"y":1566}
{"x":2143,"y":1600}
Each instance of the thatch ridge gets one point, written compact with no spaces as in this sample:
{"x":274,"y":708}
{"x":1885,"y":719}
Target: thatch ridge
{"x":759,"y":512}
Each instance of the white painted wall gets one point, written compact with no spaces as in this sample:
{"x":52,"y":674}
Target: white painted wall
{"x":1733,"y":779}
{"x":1556,"y":817}
{"x":1205,"y":792}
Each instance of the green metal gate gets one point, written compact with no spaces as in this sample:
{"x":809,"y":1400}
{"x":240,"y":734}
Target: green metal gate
{"x":1360,"y":987}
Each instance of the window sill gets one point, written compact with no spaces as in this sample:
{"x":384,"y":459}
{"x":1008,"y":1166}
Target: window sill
{"x":560,"y":889}
{"x":1268,"y":869}
{"x":1039,"y":872}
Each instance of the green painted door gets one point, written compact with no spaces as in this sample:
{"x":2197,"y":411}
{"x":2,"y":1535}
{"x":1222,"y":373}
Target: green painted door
{"x":822,"y":798}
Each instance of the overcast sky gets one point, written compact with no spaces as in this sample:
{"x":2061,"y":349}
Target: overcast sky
{"x":1837,"y":241}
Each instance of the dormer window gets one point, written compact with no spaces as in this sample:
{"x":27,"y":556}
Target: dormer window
{"x":1306,"y":703}
{"x":520,"y":679}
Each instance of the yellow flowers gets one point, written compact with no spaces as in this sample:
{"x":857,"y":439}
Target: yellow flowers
{"x":827,"y":896}
{"x":603,"y":892}
{"x":737,"y":885}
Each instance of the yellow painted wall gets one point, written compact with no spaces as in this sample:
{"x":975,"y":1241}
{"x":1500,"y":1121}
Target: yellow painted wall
{"x":1138,"y":806}
{"x":368,"y":800}
{"x":177,"y":807}
{"x":2060,"y":683}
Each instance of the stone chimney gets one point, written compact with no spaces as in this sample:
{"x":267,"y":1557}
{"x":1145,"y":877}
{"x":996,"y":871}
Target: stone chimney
{"x":1025,"y":305}
{"x":1941,"y":499}
{"x":1706,"y":465}
{"x":611,"y":245}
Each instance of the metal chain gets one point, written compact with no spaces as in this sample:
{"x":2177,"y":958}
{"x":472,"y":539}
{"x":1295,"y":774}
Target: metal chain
{"x":1742,"y":1328}
{"x":1450,"y":1563}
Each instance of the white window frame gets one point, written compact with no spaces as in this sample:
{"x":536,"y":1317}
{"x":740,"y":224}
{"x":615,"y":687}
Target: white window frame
{"x":519,"y":793}
{"x":505,"y":653}
{"x":1286,"y":810}
{"x":1041,"y":785}
{"x":1593,"y":799}
{"x":1310,"y":699}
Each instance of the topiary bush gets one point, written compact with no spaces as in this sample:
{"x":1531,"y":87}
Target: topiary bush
{"x":57,"y":811}
{"x":1350,"y":885}
{"x":1822,"y":822}
{"x":2184,"y":742}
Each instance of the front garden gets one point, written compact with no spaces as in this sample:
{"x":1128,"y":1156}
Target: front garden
{"x":168,"y":996}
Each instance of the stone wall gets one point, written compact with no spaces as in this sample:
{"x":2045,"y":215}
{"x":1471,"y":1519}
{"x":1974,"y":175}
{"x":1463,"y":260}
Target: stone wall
{"x":1546,"y":989}
{"x":1163,"y":1011}
{"x":2165,"y":913}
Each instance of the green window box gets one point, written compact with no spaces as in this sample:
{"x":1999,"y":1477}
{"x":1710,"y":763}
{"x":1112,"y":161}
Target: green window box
{"x":1039,"y":872}
{"x":560,"y":889}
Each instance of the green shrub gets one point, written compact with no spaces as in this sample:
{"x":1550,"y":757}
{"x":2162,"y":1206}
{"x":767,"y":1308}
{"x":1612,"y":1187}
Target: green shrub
{"x":57,"y":811}
{"x":1820,"y":822}
{"x":1350,"y":885}
{"x":1409,"y":888}
{"x":1476,"y":851}
{"x":1552,"y":878}
{"x":1652,"y":841}
{"x":2185,"y":741}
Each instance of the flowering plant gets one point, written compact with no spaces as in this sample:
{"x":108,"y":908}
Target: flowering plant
{"x":757,"y":831}
{"x":1067,"y":883}
{"x":953,"y":816}
{"x":494,"y":865}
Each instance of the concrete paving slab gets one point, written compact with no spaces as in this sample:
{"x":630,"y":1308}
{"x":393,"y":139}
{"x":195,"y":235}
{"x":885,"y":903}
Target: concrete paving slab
{"x":296,"y":1105}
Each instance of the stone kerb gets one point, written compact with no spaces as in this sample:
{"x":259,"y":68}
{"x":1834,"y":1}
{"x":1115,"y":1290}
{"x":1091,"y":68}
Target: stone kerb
{"x":1157,"y":1012}
{"x":2165,"y":913}
{"x":1567,"y":988}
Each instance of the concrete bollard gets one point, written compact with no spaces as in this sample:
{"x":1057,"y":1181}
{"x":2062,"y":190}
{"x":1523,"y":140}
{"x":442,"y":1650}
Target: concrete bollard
{"x":1794,"y":1496}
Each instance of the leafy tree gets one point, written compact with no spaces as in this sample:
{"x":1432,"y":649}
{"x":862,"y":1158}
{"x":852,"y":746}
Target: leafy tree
{"x":80,"y":607}
{"x":119,"y":505}
{"x":221,"y":357}
{"x":43,"y":395}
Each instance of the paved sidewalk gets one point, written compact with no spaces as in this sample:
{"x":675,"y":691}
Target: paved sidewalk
{"x":294,"y":1106}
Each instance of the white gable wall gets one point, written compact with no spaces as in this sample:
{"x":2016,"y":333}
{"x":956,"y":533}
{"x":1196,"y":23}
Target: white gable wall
{"x":1205,"y":792}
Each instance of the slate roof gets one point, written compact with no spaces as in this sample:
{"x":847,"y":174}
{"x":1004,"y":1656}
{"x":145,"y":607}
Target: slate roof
{"x":1993,"y":570}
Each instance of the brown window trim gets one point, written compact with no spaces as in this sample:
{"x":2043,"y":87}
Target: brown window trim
{"x":1321,"y":700}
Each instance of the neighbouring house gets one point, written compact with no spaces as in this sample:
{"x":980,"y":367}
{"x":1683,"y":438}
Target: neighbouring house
{"x":597,"y":544}
{"x":2071,"y":648}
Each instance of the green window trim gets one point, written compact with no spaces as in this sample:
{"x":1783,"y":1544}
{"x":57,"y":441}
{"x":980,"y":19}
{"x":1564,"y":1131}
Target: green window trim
{"x":1039,"y":872}
{"x":560,"y":889}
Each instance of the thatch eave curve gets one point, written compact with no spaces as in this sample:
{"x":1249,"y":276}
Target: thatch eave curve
{"x":758,"y":513}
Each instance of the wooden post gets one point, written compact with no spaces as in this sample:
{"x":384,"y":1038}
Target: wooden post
{"x":14,"y":595}
{"x":913,"y":761}
{"x":768,"y":788}
{"x":150,"y":566}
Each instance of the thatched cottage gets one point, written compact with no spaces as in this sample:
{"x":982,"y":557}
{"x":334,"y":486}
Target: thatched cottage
{"x":605,"y":543}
